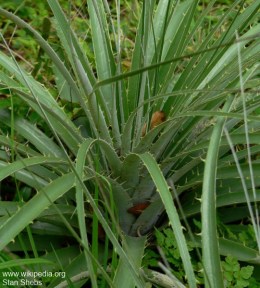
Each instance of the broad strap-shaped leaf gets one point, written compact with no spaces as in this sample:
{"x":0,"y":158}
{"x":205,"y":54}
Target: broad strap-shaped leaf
{"x":167,"y":200}
{"x":210,"y":248}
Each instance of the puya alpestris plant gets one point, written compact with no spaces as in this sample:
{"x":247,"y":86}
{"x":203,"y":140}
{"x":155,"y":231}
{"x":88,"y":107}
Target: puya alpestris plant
{"x":195,"y":82}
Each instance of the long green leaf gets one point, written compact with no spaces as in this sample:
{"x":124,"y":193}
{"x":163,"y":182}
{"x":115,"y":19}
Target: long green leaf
{"x":80,"y":164}
{"x":174,"y":218}
{"x":211,"y":261}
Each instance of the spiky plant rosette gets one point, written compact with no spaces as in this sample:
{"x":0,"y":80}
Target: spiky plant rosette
{"x":145,"y":139}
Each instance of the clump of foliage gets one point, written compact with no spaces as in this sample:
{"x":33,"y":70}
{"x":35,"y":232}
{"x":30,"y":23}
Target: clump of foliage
{"x":166,"y":241}
{"x":90,"y":168}
{"x":234,"y":274}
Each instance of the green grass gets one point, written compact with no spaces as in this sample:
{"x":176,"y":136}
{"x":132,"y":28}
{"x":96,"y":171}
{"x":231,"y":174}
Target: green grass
{"x":80,"y":153}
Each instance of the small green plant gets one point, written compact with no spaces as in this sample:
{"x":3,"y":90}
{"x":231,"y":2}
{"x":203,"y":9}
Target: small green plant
{"x":170,"y":256}
{"x":166,"y":242}
{"x":234,"y":275}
